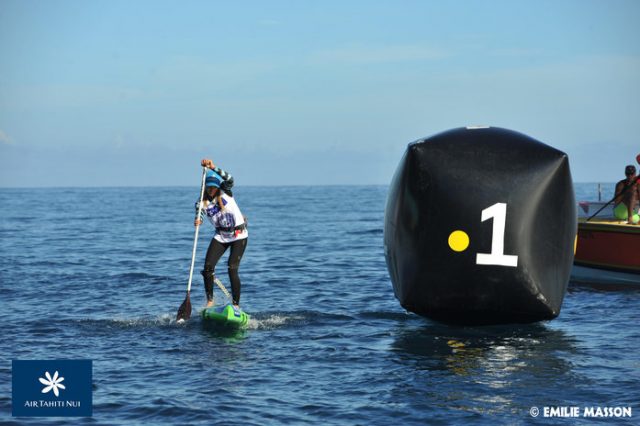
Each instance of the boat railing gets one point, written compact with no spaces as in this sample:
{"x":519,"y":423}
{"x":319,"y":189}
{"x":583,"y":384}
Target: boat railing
{"x":589,"y":208}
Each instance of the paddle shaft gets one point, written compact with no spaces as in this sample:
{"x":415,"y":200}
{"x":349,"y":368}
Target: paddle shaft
{"x":613,"y":199}
{"x":195,"y":239}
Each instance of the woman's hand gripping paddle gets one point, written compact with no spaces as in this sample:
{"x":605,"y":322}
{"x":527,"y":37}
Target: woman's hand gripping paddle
{"x":184,"y":311}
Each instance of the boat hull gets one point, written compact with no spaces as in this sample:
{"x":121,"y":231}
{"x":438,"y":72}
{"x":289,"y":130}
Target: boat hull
{"x":587,"y":275}
{"x":608,"y":245}
{"x":607,"y":251}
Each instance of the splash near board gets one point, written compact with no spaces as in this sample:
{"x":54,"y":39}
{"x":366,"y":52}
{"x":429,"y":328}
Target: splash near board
{"x":226,"y":316}
{"x":480,"y":225}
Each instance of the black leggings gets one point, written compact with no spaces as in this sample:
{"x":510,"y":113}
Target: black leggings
{"x":214,"y":253}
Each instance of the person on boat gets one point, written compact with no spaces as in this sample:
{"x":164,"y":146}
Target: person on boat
{"x":627,"y":197}
{"x":231,"y":229}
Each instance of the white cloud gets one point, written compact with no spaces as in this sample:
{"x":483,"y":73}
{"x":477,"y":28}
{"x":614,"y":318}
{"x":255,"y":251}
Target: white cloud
{"x":119,"y":140}
{"x":5,"y":139}
{"x":69,"y":95}
{"x":359,"y":54}
{"x":269,"y":22}
{"x":207,"y":74}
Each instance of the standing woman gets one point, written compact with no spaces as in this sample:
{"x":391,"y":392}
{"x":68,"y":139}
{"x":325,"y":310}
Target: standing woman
{"x":231,"y":229}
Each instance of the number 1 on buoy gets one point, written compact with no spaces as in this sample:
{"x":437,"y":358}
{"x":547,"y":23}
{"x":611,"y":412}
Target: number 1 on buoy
{"x":498,"y":212}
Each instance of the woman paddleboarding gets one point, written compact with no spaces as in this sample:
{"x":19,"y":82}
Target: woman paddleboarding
{"x":230,"y":229}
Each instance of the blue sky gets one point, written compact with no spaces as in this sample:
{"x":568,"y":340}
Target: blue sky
{"x":121,"y":93}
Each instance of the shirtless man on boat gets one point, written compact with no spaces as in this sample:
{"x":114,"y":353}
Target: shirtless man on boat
{"x":628,"y":196}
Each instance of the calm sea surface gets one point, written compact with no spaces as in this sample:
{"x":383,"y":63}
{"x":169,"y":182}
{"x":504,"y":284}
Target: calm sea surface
{"x":100,"y":273}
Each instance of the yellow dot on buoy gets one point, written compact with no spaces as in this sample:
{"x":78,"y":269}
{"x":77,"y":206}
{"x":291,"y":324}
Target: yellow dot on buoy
{"x":458,"y":241}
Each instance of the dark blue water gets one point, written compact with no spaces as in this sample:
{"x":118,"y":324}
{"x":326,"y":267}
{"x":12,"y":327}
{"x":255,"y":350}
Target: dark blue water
{"x":100,"y":273}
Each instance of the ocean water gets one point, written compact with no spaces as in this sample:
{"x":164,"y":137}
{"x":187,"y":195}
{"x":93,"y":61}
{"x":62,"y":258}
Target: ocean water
{"x":100,"y":273}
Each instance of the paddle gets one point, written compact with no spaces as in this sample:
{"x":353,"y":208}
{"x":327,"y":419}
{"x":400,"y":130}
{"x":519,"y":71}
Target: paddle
{"x":614,"y":197}
{"x":184,"y":311}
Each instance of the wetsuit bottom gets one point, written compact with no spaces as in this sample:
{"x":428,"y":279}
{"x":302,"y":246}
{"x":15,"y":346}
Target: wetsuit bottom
{"x":214,"y":253}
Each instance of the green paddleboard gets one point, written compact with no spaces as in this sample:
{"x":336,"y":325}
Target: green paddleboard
{"x":226,"y":316}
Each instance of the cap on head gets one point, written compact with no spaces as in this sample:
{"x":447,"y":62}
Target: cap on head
{"x":630,"y":170}
{"x":212,"y":179}
{"x":638,"y":158}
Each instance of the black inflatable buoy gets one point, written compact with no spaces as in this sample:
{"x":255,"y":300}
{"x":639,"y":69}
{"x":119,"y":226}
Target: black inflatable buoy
{"x":480,"y":227}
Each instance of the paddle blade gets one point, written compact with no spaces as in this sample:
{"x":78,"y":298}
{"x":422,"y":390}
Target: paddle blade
{"x":184,"y":311}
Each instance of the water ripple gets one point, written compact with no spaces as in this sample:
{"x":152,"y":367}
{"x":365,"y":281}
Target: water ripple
{"x":326,"y":343}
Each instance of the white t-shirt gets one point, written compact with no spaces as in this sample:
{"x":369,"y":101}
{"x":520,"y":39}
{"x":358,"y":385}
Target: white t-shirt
{"x":229,"y":217}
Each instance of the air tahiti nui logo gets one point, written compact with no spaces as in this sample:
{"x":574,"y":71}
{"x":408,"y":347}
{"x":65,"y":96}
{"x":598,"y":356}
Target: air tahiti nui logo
{"x":38,"y":392}
{"x":54,"y":383}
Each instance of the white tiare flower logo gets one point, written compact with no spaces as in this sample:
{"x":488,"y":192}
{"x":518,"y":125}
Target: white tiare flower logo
{"x":52,"y":383}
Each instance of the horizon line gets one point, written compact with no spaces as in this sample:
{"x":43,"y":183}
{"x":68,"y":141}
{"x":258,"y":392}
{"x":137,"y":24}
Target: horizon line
{"x":242,"y":186}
